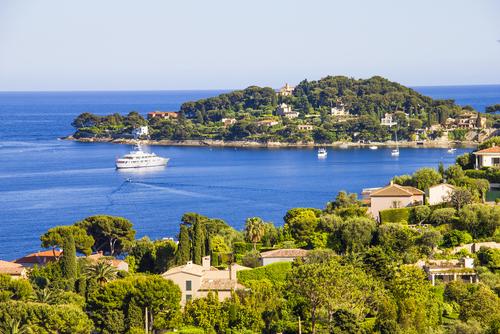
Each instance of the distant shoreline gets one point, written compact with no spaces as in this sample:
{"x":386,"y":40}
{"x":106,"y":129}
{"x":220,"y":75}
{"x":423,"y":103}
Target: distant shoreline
{"x":255,"y":144}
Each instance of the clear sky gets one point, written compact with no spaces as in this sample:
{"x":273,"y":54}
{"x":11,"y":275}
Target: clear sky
{"x":188,"y":44}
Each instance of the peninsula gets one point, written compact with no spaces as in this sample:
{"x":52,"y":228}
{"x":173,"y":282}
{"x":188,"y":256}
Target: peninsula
{"x":331,"y":111}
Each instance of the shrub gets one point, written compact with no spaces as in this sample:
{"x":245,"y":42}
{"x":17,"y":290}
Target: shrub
{"x":456,"y":238}
{"x":275,"y":272}
{"x":401,"y":215}
{"x":243,"y":247}
{"x":442,"y":216}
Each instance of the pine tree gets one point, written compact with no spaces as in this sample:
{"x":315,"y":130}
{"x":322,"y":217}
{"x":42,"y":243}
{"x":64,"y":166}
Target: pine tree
{"x":183,"y":253}
{"x":198,"y":242}
{"x":68,"y":260}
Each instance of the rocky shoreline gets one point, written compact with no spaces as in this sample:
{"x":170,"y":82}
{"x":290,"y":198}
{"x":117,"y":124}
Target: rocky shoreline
{"x":255,"y":144}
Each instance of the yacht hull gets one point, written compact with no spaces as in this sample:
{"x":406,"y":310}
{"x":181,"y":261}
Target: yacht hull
{"x":128,"y":165}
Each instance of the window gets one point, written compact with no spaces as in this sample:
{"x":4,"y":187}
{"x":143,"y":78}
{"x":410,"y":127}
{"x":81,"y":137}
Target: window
{"x":396,"y":204}
{"x":495,"y":161}
{"x":188,"y":285}
{"x":189,"y":297}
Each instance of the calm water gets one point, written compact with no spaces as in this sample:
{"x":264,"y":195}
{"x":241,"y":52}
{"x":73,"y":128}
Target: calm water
{"x":46,"y":182}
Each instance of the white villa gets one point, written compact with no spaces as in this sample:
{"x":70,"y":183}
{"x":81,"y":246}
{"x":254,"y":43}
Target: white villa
{"x":451,"y":270}
{"x":286,"y":111}
{"x":141,"y":131}
{"x":387,"y":120}
{"x":196,"y":281}
{"x":489,"y":157}
{"x":440,"y":193}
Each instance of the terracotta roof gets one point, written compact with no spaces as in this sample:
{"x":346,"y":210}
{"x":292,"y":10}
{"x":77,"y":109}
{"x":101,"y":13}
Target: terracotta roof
{"x":288,"y":253}
{"x":190,"y":268}
{"x":443,"y":184}
{"x":98,"y":256}
{"x":395,"y":190}
{"x":493,"y":149}
{"x":220,"y":284}
{"x":40,"y":257}
{"x":11,"y":268}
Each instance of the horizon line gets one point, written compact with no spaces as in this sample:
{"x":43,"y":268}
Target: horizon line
{"x":204,"y":89}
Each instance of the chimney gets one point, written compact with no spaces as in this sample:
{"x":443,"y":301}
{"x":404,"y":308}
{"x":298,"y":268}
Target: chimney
{"x":206,"y":262}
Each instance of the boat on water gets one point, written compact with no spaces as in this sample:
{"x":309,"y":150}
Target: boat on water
{"x":322,"y":153}
{"x":395,"y":151}
{"x":451,"y":150}
{"x":137,"y":158}
{"x":373,"y":147}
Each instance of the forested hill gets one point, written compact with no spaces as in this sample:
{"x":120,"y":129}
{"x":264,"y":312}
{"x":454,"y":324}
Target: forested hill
{"x":374,"y":96}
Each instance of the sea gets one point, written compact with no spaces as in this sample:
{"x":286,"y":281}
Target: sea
{"x":45,"y":182}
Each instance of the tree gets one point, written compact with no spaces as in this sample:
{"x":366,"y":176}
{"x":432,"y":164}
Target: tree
{"x":493,"y":108}
{"x":68,"y":261}
{"x":479,"y":220}
{"x":454,"y":172}
{"x":111,"y":234}
{"x":102,"y":271}
{"x":425,"y":178}
{"x":183,"y":253}
{"x":456,"y":238}
{"x":460,"y":197}
{"x":301,"y":223}
{"x":54,"y":237}
{"x":442,"y":216}
{"x":13,"y":326}
{"x":254,"y":230}
{"x":420,"y":214}
{"x":198,"y":242}
{"x":356,"y":234}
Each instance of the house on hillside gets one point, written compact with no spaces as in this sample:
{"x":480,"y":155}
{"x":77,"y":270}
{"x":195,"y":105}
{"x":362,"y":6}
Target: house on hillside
{"x":163,"y":114}
{"x":394,"y":196}
{"x":387,"y":120}
{"x":451,"y":270}
{"x":489,"y":157}
{"x":286,"y":111}
{"x":14,"y":270}
{"x":116,"y":263}
{"x":440,"y":193}
{"x":228,"y":121}
{"x":39,"y":258}
{"x":305,"y":127}
{"x":281,"y":255}
{"x":286,"y":90}
{"x":142,"y":131}
{"x":197,"y":281}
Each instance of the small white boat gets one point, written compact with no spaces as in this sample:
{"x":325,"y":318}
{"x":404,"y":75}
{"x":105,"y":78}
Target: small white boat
{"x":451,"y":150}
{"x":373,"y":147}
{"x":395,"y":152}
{"x":140,"y":159}
{"x":322,"y":153}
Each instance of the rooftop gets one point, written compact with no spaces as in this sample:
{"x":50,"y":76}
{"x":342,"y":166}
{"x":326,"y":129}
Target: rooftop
{"x":10,"y":268}
{"x":493,"y":149}
{"x":395,"y":190}
{"x":40,"y":257}
{"x":287,"y":253}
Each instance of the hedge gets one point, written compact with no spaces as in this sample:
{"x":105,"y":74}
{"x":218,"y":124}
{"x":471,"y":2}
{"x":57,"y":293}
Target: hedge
{"x":244,"y":247}
{"x":275,"y":272}
{"x":490,"y":174}
{"x":401,"y":215}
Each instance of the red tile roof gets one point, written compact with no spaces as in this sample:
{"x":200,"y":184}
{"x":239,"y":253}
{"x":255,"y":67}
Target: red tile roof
{"x":493,"y":149}
{"x":395,"y":190}
{"x":40,"y":257}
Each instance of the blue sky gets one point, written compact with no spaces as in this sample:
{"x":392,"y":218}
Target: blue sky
{"x":164,"y":44}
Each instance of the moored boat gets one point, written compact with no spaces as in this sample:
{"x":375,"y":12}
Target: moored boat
{"x":140,"y":159}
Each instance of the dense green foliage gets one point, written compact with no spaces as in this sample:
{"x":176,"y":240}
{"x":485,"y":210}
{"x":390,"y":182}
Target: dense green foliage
{"x":366,"y":100}
{"x":401,"y":215}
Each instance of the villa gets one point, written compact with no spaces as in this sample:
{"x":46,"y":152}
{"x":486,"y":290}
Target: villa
{"x":268,"y":122}
{"x":305,"y":127}
{"x":228,"y":121}
{"x":286,"y":90}
{"x":14,"y":270}
{"x":387,"y":120}
{"x":163,"y":114}
{"x":394,"y":196}
{"x":440,"y":193}
{"x":141,"y":131}
{"x":286,"y":111}
{"x":281,"y":255}
{"x":451,"y":270}
{"x":489,"y":157}
{"x":39,"y":258}
{"x":197,"y":281}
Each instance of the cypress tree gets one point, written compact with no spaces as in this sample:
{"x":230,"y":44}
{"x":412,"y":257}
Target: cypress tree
{"x":68,"y":260}
{"x":183,"y":253}
{"x":198,"y":242}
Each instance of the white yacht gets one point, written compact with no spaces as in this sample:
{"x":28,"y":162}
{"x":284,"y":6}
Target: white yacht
{"x":322,"y":153}
{"x":139,"y":159}
{"x":451,"y":150}
{"x":373,"y":147}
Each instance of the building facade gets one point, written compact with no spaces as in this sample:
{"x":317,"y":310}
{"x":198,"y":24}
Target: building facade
{"x":489,"y":157}
{"x":440,"y":193}
{"x":394,"y":196}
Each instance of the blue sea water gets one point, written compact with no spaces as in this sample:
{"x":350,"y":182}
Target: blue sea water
{"x":46,"y":182}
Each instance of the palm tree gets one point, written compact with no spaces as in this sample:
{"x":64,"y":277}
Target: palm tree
{"x":254,"y":230}
{"x":46,"y":296}
{"x":102,"y":271}
{"x":13,"y":326}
